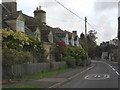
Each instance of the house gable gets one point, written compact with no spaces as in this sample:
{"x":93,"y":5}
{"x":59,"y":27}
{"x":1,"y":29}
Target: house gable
{"x":11,"y":24}
{"x":20,"y":23}
{"x":77,"y":41}
{"x":50,"y":37}
{"x":20,"y":17}
{"x":72,"y":40}
{"x":37,"y":33}
{"x":66,"y":39}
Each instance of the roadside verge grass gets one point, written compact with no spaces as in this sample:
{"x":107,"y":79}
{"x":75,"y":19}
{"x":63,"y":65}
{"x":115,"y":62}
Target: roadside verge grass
{"x":42,"y":75}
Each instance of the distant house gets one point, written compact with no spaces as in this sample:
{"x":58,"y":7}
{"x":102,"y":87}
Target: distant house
{"x":71,"y":39}
{"x":113,"y":55}
{"x":63,"y":36}
{"x":76,"y":38}
{"x":47,"y":36}
{"x":104,"y":56}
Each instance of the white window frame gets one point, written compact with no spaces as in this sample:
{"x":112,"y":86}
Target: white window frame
{"x":20,"y":25}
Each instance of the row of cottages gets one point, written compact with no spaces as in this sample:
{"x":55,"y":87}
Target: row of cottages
{"x":36,"y":27}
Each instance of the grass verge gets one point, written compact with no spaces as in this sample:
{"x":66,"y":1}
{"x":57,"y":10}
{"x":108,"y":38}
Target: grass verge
{"x":41,"y":75}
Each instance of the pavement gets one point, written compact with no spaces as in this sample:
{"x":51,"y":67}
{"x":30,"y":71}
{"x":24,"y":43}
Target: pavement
{"x":52,"y":81}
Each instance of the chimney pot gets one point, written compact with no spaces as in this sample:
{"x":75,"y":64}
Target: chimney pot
{"x":36,"y":8}
{"x":74,"y":32}
{"x":39,"y":7}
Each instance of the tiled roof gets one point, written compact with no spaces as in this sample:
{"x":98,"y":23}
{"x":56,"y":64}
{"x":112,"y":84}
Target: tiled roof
{"x":32,"y":23}
{"x":29,"y":32}
{"x":11,"y":16}
{"x":60,"y":34}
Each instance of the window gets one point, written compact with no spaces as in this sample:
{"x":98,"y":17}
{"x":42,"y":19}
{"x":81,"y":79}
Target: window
{"x":50,"y":38}
{"x":20,"y":25}
{"x":37,"y":35}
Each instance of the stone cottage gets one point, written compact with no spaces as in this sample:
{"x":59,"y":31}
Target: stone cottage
{"x":35,"y":27}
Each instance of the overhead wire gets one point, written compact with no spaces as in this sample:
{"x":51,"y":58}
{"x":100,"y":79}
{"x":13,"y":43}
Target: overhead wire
{"x":77,"y":15}
{"x":69,"y":10}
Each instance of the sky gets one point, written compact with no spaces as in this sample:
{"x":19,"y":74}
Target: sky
{"x":102,"y":15}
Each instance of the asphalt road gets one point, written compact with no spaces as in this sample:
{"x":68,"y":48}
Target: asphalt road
{"x":103,"y":75}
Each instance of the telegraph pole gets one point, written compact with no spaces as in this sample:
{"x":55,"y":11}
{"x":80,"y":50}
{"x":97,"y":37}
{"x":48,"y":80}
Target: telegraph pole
{"x":86,"y":36}
{"x":118,"y":55}
{"x":85,"y":27}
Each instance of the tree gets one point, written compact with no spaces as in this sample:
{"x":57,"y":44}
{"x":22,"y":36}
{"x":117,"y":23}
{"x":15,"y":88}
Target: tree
{"x":108,"y":46}
{"x":91,"y":42}
{"x":90,"y":46}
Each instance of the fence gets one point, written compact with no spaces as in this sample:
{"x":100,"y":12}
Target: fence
{"x":29,"y":69}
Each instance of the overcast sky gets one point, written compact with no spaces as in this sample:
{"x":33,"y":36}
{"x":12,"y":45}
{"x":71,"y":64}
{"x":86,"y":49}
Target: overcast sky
{"x":101,"y":14}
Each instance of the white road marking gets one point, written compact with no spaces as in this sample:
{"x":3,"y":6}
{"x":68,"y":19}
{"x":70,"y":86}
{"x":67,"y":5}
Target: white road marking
{"x":71,"y":77}
{"x":117,"y":73}
{"x":115,"y":70}
{"x":97,"y":76}
{"x":112,"y":68}
{"x":108,"y":76}
{"x":86,"y":77}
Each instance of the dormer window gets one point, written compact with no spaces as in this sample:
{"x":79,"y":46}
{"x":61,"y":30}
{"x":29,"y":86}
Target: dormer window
{"x":66,"y":39}
{"x":37,"y":35}
{"x":50,"y":37}
{"x":20,"y":25}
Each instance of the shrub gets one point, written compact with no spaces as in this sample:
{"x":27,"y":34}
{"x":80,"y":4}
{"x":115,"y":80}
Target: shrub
{"x":17,"y":42}
{"x":78,"y":53}
{"x":12,"y":56}
{"x":70,"y":61}
{"x":79,"y":62}
{"x":23,"y":57}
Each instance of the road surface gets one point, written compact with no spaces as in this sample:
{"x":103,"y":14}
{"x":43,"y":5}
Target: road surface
{"x":103,"y":75}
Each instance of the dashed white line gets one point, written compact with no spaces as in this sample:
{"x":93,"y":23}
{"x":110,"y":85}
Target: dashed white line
{"x":117,"y":73}
{"x":113,"y":69}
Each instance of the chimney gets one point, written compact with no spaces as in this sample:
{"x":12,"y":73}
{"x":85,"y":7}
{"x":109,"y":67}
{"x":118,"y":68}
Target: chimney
{"x":9,"y":6}
{"x":40,"y":15}
{"x":74,"y":32}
